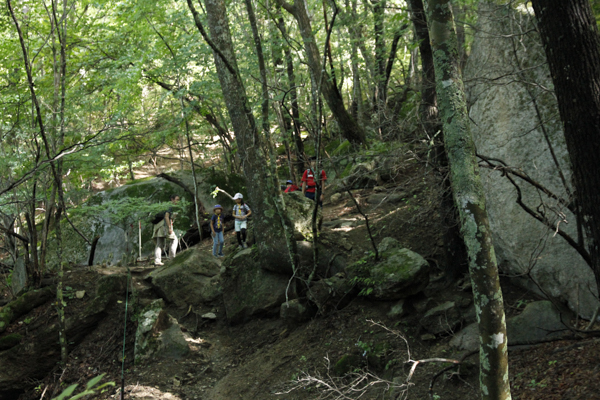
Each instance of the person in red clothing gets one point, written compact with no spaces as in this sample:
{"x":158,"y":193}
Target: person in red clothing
{"x":309,"y":185}
{"x":290,"y":187}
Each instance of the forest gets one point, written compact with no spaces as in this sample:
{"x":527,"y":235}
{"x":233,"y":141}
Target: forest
{"x":461,"y":133}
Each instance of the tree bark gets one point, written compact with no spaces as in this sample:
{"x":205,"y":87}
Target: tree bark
{"x":470,"y":201}
{"x":261,"y":190}
{"x":348,"y":126}
{"x":572,"y":45}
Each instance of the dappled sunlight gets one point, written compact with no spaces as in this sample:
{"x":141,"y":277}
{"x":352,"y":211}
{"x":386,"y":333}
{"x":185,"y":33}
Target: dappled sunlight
{"x":146,"y":393}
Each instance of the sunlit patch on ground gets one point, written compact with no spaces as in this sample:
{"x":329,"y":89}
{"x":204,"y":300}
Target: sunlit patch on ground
{"x":141,"y":392}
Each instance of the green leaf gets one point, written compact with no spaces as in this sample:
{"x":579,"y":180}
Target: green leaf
{"x":94,"y":381}
{"x":67,"y":392}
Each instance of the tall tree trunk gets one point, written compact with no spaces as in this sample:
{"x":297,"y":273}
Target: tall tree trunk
{"x":289,"y":61}
{"x":261,"y":190}
{"x":380,"y":53}
{"x":348,"y":126}
{"x":470,"y":201}
{"x":572,"y":45}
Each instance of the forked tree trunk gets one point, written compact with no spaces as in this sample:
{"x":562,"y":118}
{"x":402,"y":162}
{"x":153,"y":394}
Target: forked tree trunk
{"x":470,"y":201}
{"x":572,"y":45}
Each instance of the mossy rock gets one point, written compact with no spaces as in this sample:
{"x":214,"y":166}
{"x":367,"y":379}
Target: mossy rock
{"x":399,"y":274}
{"x":9,"y":341}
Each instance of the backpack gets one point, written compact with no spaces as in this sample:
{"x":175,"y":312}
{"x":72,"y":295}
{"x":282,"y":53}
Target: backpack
{"x":157,"y":218}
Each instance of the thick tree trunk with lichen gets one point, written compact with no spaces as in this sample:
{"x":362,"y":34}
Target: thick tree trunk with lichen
{"x":470,"y":201}
{"x":261,"y":190}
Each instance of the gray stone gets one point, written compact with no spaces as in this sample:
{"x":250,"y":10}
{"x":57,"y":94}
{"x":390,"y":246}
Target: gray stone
{"x":250,"y":290}
{"x":209,"y":316}
{"x":377,"y":198}
{"x":362,"y":175}
{"x":441,"y":319}
{"x":189,"y":279}
{"x":295,"y":311}
{"x":329,"y":264}
{"x":539,"y":321}
{"x":506,"y":126}
{"x":332,"y":293}
{"x":335,"y":197}
{"x":396,"y":198}
{"x":427,"y":337}
{"x":467,"y":339}
{"x":398,"y":310}
{"x":158,"y":335}
{"x":79,"y":294}
{"x":18,"y":277}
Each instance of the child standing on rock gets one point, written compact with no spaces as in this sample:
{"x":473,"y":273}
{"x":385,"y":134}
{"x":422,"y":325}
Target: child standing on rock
{"x":216,"y":226}
{"x":241,"y":212}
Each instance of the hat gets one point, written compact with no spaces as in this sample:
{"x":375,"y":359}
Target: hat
{"x":238,"y":196}
{"x":218,"y":206}
{"x":289,"y":181}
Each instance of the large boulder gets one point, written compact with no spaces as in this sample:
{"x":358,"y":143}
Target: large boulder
{"x":158,"y":335}
{"x":516,"y":121}
{"x":400,"y":273}
{"x":250,"y":290}
{"x":42,"y":352}
{"x":191,"y":278}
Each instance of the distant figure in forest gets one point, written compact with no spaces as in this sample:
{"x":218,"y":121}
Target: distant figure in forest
{"x":241,"y":212}
{"x":217,"y":227}
{"x":290,"y":187}
{"x":309,"y":185}
{"x":163,"y":231}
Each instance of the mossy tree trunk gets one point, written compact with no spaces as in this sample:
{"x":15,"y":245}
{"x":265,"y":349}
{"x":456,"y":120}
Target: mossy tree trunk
{"x":470,"y":201}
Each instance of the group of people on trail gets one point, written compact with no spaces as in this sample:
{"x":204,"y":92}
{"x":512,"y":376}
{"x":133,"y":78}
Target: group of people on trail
{"x":163,"y":229}
{"x":241,"y":212}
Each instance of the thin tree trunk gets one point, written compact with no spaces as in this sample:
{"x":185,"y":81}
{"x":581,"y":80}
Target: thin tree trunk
{"x":570,"y":36}
{"x":470,"y":200}
{"x":289,"y":61}
{"x":348,"y":126}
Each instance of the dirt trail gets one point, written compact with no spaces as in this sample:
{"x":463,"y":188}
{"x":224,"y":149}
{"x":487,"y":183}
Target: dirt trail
{"x":269,"y":359}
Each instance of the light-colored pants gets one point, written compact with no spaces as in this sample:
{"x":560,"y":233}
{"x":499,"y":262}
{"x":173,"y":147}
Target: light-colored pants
{"x":218,"y":242}
{"x":160,"y":242}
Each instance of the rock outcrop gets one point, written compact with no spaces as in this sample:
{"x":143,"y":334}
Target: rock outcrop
{"x":158,"y":335}
{"x":516,"y":120}
{"x":250,"y":290}
{"x":192,"y":278}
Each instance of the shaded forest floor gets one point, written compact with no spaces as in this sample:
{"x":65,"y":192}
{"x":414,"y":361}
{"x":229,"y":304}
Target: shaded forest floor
{"x":270,"y":359}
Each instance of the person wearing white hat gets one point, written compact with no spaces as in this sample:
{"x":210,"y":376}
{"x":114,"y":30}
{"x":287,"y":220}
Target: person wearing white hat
{"x":241,"y":212}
